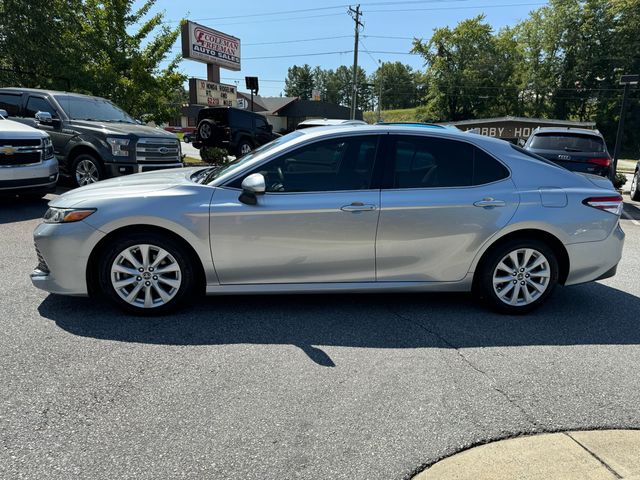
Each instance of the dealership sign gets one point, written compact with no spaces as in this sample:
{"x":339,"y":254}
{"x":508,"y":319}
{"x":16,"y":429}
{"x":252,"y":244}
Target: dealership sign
{"x":202,"y":92}
{"x":210,"y":46}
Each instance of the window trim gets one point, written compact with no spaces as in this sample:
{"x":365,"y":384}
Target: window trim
{"x":376,"y":176}
{"x":387,"y":182}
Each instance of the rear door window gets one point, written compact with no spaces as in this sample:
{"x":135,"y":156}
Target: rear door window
{"x":11,"y":103}
{"x":573,"y":142}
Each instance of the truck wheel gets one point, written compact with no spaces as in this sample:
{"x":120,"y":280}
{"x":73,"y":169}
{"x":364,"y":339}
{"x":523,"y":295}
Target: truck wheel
{"x":244,"y":147}
{"x":518,"y":276}
{"x":206,"y":130}
{"x":86,"y":170}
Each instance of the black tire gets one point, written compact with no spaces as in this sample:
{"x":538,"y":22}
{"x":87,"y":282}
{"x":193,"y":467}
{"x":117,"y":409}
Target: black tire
{"x":484,"y":282}
{"x":635,"y":187}
{"x":206,"y":131}
{"x":243,"y":148}
{"x":85,"y":166}
{"x":186,"y":275}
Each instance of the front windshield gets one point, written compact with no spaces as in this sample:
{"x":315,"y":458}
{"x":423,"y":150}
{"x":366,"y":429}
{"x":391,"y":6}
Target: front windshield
{"x":91,"y":108}
{"x":207,"y":176}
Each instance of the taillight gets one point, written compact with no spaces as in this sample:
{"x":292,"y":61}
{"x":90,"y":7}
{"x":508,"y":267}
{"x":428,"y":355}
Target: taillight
{"x":611,"y":204}
{"x":602,"y":161}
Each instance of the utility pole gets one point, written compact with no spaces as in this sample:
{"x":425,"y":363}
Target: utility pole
{"x":355,"y":14}
{"x":381,"y":80}
{"x":625,"y":80}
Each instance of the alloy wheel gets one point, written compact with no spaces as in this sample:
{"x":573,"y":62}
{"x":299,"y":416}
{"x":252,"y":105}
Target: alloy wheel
{"x":634,"y":184}
{"x":86,"y":172}
{"x":146,"y":276}
{"x":521,"y":277}
{"x":245,"y":148}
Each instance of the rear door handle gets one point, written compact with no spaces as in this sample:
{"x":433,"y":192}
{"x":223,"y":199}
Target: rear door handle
{"x":490,"y":202}
{"x":358,"y":207}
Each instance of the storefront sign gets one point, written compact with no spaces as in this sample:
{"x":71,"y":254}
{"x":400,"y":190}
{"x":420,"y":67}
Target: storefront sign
{"x":210,"y":46}
{"x":212,"y":94}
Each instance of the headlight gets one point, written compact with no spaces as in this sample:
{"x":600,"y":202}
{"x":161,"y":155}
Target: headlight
{"x":66,"y":215}
{"x":119,"y":146}
{"x":47,"y":149}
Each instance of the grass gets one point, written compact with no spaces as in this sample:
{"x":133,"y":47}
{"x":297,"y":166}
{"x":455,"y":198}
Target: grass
{"x":193,"y":161}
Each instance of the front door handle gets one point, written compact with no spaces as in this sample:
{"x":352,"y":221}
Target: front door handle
{"x":358,"y":207}
{"x":490,"y":202}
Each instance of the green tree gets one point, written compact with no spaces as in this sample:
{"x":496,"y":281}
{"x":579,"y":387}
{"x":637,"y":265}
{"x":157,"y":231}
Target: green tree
{"x":396,"y":81}
{"x":107,"y":48}
{"x":299,"y":82}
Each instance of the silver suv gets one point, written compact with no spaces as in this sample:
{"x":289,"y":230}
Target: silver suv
{"x":27,"y":163}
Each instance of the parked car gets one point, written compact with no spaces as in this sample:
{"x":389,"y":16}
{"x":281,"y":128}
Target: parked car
{"x":28,"y":166}
{"x":327,"y":122}
{"x":187,"y":137}
{"x":345,"y":209}
{"x":92,"y":138}
{"x":576,"y":149}
{"x":235,"y":130}
{"x":635,"y":181}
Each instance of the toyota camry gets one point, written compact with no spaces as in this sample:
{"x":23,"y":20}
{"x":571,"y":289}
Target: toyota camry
{"x":337,"y":209}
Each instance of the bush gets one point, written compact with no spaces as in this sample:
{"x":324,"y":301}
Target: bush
{"x":619,"y":180}
{"x":214,"y":155}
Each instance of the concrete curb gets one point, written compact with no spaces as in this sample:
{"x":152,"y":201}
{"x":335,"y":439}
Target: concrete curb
{"x":593,"y":455}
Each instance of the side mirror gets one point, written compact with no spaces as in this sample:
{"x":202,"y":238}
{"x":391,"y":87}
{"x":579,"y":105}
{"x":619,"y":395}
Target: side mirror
{"x":252,"y":186}
{"x":44,"y":117}
{"x":521,"y":142}
{"x":3,"y":113}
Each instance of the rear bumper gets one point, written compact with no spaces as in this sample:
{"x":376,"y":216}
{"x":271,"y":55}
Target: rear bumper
{"x":591,"y":261}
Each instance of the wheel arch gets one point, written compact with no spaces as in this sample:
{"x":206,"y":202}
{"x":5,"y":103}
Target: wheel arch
{"x":93,"y":267}
{"x":83,"y":148}
{"x":549,"y":239}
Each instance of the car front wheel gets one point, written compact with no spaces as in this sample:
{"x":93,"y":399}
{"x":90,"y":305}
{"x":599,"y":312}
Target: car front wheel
{"x":244,"y":147}
{"x":146,"y":274}
{"x":87,"y":170}
{"x":518,"y":276}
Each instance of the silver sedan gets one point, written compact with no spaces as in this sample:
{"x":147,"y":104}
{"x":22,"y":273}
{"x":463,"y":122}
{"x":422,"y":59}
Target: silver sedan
{"x":346,"y":209}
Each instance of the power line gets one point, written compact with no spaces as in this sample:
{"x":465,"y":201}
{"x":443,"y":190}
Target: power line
{"x":397,"y":10}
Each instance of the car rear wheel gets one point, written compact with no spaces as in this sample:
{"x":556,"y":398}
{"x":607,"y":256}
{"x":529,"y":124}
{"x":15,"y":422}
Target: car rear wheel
{"x":518,"y":276}
{"x":146,"y":274}
{"x":635,"y":191}
{"x":87,"y":170}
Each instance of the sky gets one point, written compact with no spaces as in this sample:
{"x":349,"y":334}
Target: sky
{"x":307,"y":30}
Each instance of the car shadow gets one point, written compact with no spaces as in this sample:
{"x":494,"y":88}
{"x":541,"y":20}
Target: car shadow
{"x":583,"y":315}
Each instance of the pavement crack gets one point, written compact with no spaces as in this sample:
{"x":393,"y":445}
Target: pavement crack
{"x":604,"y":464}
{"x":470,"y":364}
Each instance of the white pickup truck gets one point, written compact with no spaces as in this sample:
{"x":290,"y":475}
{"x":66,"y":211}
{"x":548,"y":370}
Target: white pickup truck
{"x":28,"y":166}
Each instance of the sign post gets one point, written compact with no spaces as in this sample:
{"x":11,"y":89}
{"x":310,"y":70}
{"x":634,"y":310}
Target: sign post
{"x":627,"y":81}
{"x":252,"y":85}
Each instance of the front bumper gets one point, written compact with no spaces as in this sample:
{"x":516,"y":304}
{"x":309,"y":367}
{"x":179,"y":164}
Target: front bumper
{"x":37,"y":177}
{"x":591,"y":261}
{"x":118,"y":169}
{"x":64,"y":253}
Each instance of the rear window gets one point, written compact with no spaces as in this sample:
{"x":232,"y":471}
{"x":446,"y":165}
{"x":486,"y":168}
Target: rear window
{"x":573,"y":142}
{"x":536,"y":157}
{"x":11,"y":103}
{"x":218,"y":115}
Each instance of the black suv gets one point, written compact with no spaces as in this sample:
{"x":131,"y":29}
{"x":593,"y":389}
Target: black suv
{"x":576,"y":149}
{"x":235,"y":130}
{"x":92,"y":138}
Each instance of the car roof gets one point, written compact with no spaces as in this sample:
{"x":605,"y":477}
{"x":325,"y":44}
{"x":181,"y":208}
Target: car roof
{"x":580,"y":131}
{"x":331,"y":121}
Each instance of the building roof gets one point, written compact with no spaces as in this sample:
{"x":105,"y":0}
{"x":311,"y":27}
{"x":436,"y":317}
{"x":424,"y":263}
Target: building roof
{"x":537,"y":121}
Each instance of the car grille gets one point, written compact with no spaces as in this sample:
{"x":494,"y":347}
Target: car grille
{"x":42,"y":264}
{"x":158,"y":150}
{"x":20,"y":152}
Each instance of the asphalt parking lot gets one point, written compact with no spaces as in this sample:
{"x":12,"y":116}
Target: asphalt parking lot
{"x":274,"y":387}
